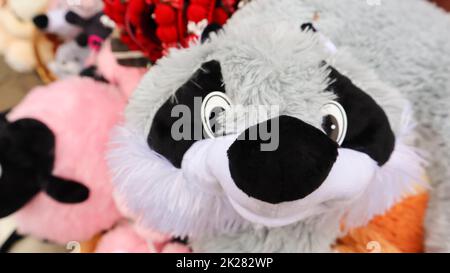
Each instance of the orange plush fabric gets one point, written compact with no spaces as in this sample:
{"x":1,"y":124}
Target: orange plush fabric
{"x":399,"y":230}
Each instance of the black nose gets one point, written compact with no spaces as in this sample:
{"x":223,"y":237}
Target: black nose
{"x":296,"y":168}
{"x":41,"y":21}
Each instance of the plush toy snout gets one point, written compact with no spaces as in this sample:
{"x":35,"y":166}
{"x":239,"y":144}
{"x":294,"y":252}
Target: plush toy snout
{"x":299,"y":161}
{"x":41,"y":21}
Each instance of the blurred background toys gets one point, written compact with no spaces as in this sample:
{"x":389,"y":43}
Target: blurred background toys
{"x":154,"y":26}
{"x":16,"y":33}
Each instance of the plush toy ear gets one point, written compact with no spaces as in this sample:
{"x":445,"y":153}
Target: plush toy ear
{"x":308,"y":27}
{"x":75,"y":19}
{"x":66,"y":191}
{"x":211,"y":28}
{"x":34,"y":143}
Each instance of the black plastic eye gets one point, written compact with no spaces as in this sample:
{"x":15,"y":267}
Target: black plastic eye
{"x":334,"y":122}
{"x":330,"y":126}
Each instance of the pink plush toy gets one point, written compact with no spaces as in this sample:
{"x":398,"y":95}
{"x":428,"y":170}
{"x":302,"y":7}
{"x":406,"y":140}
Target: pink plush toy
{"x":79,"y":114}
{"x":69,"y":122}
{"x":126,"y":238}
{"x":54,"y":143}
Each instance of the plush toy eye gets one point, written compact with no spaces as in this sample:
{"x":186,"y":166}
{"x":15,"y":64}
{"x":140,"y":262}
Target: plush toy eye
{"x":213,"y":102}
{"x":334,"y":121}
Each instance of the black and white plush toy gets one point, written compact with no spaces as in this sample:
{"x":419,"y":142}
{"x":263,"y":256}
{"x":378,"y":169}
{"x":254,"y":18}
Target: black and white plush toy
{"x":329,"y":143}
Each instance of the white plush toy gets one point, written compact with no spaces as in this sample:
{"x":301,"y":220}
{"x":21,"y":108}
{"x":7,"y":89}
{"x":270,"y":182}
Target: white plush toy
{"x":16,"y":33}
{"x":54,"y":20}
{"x":70,"y":59}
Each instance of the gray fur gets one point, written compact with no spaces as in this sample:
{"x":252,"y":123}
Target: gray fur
{"x":264,"y":57}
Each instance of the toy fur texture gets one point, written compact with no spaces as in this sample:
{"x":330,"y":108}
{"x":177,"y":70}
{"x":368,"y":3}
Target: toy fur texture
{"x":259,"y":40}
{"x":125,"y":238}
{"x":16,"y":31}
{"x":82,"y":115}
{"x":410,"y":51}
{"x":86,"y":112}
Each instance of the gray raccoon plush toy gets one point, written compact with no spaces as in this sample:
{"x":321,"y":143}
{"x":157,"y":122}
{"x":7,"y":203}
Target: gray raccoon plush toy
{"x":290,"y":123}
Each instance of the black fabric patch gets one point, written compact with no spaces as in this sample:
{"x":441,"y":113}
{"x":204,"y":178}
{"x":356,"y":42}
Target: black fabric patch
{"x":308,"y":27}
{"x":211,"y":28}
{"x":368,"y":130}
{"x":204,"y":81}
{"x":301,"y":163}
{"x":14,"y":238}
{"x":66,"y":191}
{"x":93,"y":73}
{"x":27,"y":154}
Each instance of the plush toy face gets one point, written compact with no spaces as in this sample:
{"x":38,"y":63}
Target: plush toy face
{"x":95,"y":29}
{"x":26,"y":163}
{"x":319,"y":139}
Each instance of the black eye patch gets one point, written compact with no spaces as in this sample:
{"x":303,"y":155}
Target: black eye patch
{"x":369,"y":130}
{"x":205,"y":80}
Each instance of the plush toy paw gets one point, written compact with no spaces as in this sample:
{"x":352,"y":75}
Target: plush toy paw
{"x":20,"y":56}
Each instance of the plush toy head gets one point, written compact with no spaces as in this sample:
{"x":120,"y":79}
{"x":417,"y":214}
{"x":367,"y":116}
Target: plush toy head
{"x":26,"y":10}
{"x":95,"y":29}
{"x":27,"y":158}
{"x":267,"y":124}
{"x":55,"y":22}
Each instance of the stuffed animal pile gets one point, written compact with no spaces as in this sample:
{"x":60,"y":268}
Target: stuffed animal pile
{"x":261,"y":126}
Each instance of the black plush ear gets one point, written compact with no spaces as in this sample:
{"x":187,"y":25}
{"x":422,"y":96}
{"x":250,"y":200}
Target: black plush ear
{"x":75,"y":19}
{"x":66,"y":191}
{"x":92,"y":72}
{"x":211,"y":28}
{"x":34,"y":144}
{"x":41,"y":21}
{"x":308,"y":27}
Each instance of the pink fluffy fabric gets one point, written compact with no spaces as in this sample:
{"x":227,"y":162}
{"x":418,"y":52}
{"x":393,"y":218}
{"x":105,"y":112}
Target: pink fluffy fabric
{"x":126,"y":239}
{"x":81,"y":114}
{"x":125,"y":78}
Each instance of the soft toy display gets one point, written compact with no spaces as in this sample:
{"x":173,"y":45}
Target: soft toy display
{"x":332,"y":150}
{"x":82,"y":32}
{"x":155,"y":26}
{"x":16,"y":33}
{"x":59,"y":201}
{"x":40,"y":144}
